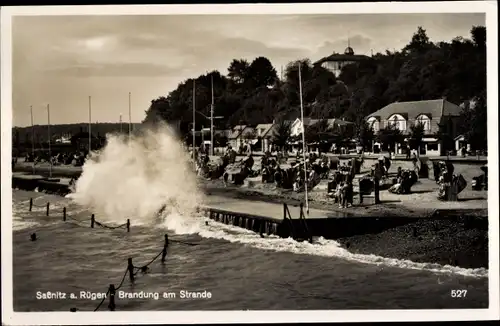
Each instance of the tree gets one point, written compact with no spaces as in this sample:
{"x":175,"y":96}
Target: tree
{"x":365,"y":135}
{"x":159,"y":110}
{"x":473,"y":123}
{"x":282,"y":134}
{"x":478,"y":34}
{"x":261,"y":73}
{"x":250,"y":135}
{"x":416,"y":136}
{"x":323,"y":134}
{"x":419,"y":42}
{"x":389,"y":137}
{"x":444,"y":134}
{"x":238,"y":71}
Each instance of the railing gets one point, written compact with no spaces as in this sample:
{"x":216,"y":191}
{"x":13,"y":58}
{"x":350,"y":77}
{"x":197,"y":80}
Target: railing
{"x":93,"y":221}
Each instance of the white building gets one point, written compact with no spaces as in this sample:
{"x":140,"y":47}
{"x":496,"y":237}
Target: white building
{"x":432,"y":113}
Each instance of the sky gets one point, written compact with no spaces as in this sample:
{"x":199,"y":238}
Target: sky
{"x":62,"y":60}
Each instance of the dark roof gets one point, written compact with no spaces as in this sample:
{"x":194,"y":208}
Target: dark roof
{"x":435,"y":109}
{"x":343,"y":57}
{"x":266,"y":126}
{"x":236,"y":131}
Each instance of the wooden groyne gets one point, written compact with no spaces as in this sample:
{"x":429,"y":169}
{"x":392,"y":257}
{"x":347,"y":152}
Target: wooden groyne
{"x":43,"y":184}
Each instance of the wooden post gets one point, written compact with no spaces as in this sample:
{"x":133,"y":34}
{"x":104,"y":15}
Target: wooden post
{"x":31,"y":204}
{"x":301,"y":210}
{"x":165,"y":246}
{"x":64,"y":213}
{"x":92,"y":220}
{"x":128,"y":225}
{"x":261,"y":228}
{"x":130,"y":270}
{"x":112,"y":291}
{"x":48,"y":204}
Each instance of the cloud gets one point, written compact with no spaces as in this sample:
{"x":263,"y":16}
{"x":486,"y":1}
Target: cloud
{"x":115,"y":70}
{"x":360,"y":44}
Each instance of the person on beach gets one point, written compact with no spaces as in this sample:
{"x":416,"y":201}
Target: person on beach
{"x":350,"y":192}
{"x":377,"y":174}
{"x":343,"y":195}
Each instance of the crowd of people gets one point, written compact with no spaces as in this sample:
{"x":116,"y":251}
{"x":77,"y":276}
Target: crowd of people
{"x":63,"y":158}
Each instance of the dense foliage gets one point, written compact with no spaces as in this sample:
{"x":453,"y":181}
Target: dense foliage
{"x":252,"y":93}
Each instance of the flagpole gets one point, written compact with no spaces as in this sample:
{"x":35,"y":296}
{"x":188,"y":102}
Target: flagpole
{"x":303,"y":139}
{"x":90,"y":124}
{"x":129,"y":115}
{"x":32,"y":138}
{"x":194,"y":120}
{"x":48,"y":130}
{"x":212,"y":119}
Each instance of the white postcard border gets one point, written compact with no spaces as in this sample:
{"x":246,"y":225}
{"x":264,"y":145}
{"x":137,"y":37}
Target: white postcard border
{"x":180,"y":317}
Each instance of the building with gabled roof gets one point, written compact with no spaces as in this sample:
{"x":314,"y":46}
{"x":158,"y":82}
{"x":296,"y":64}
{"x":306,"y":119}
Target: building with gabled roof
{"x":336,"y":61}
{"x":238,"y":135}
{"x":264,"y":134}
{"x":430,"y":113}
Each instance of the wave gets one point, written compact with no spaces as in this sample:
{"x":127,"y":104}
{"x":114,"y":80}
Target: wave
{"x":135,"y":177}
{"x":320,"y":247}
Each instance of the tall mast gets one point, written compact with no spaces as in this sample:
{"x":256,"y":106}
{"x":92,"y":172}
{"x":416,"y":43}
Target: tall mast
{"x":194,"y":121}
{"x":90,"y":124}
{"x":129,"y":115}
{"x":303,"y":139}
{"x":32,"y":138}
{"x":212,"y":119}
{"x":48,"y":131}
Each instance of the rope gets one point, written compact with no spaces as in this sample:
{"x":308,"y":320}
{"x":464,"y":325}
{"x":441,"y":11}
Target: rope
{"x":123,"y":279}
{"x":152,"y":260}
{"x":104,"y":298}
{"x":44,"y":205}
{"x":74,"y":219}
{"x":110,"y":227}
{"x":119,"y":286}
{"x":186,"y":243}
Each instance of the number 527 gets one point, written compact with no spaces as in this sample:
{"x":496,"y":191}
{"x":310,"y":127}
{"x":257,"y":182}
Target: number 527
{"x":458,"y":293}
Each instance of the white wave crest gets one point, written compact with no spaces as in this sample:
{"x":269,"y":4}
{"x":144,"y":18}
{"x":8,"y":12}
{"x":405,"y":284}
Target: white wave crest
{"x":134,"y":178}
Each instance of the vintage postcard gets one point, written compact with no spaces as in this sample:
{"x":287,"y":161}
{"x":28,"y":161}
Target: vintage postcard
{"x":249,"y":163}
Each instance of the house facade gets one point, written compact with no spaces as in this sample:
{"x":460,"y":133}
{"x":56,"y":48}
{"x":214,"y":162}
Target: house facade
{"x":338,"y":124}
{"x":264,"y":133}
{"x":241,"y":135}
{"x":404,"y":115}
{"x":297,"y":127}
